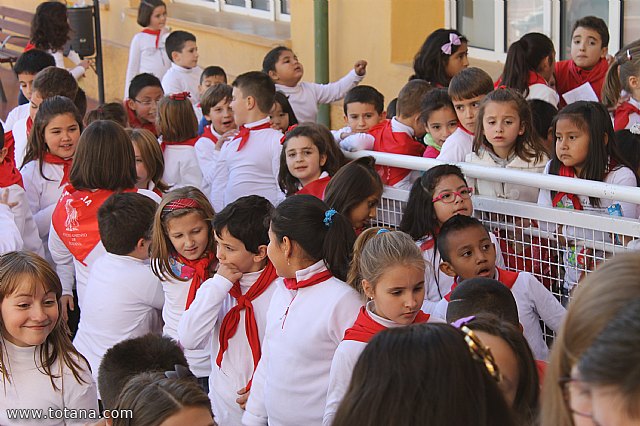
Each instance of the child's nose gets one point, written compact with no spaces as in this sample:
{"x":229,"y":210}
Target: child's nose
{"x":373,"y":211}
{"x":38,"y":314}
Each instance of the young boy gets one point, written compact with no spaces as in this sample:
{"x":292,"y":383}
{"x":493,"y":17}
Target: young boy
{"x":26,"y":67}
{"x":211,"y":76}
{"x":588,"y":63}
{"x":482,"y":296}
{"x":467,"y":252}
{"x":216,"y":107}
{"x":249,"y":164}
{"x":184,"y":74}
{"x":123,"y":298}
{"x":467,"y":89}
{"x":227,"y":304}
{"x":145,"y":91}
{"x":363,"y":108}
{"x":282,"y":65}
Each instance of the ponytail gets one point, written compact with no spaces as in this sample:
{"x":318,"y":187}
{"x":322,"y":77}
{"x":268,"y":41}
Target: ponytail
{"x":322,"y":233}
{"x":625,"y":65}
{"x":612,"y":86}
{"x":524,"y":56}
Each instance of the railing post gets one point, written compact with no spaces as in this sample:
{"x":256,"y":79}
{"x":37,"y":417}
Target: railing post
{"x":321,"y":36}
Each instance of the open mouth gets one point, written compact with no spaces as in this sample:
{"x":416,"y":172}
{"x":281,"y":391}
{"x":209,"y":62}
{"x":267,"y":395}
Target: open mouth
{"x":227,"y":122}
{"x":484,"y":272}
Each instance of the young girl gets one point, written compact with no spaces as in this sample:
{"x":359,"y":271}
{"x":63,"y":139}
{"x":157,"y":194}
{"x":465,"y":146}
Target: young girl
{"x":282,"y":116}
{"x":40,"y":368}
{"x":388,"y":269}
{"x":439,"y":194}
{"x":310,"y":246}
{"x":442,"y":56}
{"x":585,"y":149}
{"x":439,"y":118}
{"x":113,"y":111}
{"x":147,"y":52}
{"x":355,"y":191}
{"x":179,"y":129}
{"x":308,"y":160}
{"x":52,"y":143}
{"x":50,"y":32}
{"x":504,"y":138}
{"x":156,"y":399}
{"x":149,"y":161}
{"x":183,"y":257}
{"x":282,"y":65}
{"x":623,"y":74}
{"x":529,"y":68}
{"x":103,"y":164}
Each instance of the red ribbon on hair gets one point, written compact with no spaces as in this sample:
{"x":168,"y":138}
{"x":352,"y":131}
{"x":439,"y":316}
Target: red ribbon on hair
{"x":66,"y":166}
{"x":182,"y":96}
{"x":293,"y":284}
{"x":244,"y":133}
{"x":284,"y":137}
{"x":366,"y":327}
{"x":153,"y":32}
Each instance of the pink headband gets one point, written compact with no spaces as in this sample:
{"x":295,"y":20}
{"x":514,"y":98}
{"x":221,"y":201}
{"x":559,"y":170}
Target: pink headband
{"x":454,"y":39}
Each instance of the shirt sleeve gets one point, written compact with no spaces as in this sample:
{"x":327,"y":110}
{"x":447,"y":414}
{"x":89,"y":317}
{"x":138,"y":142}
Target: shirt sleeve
{"x":10,"y":238}
{"x":218,"y":178}
{"x":452,"y":151}
{"x":358,"y":142}
{"x":133,"y":66}
{"x":344,"y":361}
{"x":275,"y":167}
{"x":547,"y":306}
{"x":327,"y":93}
{"x":63,"y":260}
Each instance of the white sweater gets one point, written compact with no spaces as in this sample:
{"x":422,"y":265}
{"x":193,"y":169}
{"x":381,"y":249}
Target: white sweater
{"x":181,"y":166}
{"x":144,"y":56}
{"x":305,"y":97}
{"x":207,"y":158}
{"x":178,"y":79}
{"x":31,"y":389}
{"x":77,"y":71}
{"x":10,"y":238}
{"x":18,"y":113}
{"x":304,"y":328}
{"x":123,"y":300}
{"x":456,"y":147}
{"x":20,"y":137}
{"x":200,"y":328}
{"x":24,"y":219}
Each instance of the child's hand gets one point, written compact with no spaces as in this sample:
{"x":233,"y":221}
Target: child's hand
{"x":84,"y":64}
{"x":229,"y":271}
{"x":345,"y":135}
{"x":4,"y":199}
{"x":360,"y":67}
{"x":226,"y":137}
{"x":66,"y":301}
{"x":244,"y":396}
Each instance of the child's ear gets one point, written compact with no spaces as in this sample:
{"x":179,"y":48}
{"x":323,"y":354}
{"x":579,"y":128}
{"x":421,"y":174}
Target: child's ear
{"x":273,"y":75}
{"x":447,"y":269}
{"x":367,"y":288}
{"x":131,"y":104}
{"x":262,"y":254}
{"x":251,"y":102}
{"x":634,"y":82}
{"x":521,"y":131}
{"x":604,"y":52}
{"x":3,"y":153}
{"x":207,"y":117}
{"x":175,"y":56}
{"x":323,"y":160}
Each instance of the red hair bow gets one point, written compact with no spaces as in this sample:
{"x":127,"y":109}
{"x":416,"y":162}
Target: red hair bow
{"x":179,"y":96}
{"x":284,"y":137}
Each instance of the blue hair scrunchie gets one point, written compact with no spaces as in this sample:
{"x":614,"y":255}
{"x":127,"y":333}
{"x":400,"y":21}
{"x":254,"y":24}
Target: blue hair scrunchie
{"x":328,"y":217}
{"x":382,"y":231}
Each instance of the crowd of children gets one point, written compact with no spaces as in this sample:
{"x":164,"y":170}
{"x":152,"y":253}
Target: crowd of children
{"x":214,"y":255}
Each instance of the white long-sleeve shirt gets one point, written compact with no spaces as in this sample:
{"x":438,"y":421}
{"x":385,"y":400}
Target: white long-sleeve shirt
{"x":304,"y":328}
{"x":251,"y":171}
{"x":181,"y":166}
{"x":123,"y":300}
{"x":24,"y":219}
{"x":178,"y":79}
{"x":534,"y":303}
{"x":29,"y":388}
{"x":456,"y":147}
{"x":77,"y":71}
{"x":305,"y":97}
{"x":18,"y":113}
{"x":207,"y":156}
{"x":10,"y":238}
{"x":144,"y":56}
{"x":200,"y":328}
{"x":21,"y":139}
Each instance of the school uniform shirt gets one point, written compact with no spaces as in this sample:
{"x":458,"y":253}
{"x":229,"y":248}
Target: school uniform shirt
{"x":10,"y":238}
{"x":305,"y":97}
{"x":199,"y":328}
{"x":252,"y":170}
{"x":437,"y":283}
{"x":77,"y":71}
{"x":207,"y":155}
{"x":317,"y":187}
{"x":21,"y":138}
{"x":345,"y":358}
{"x":534,"y":303}
{"x":570,"y":76}
{"x":24,"y":219}
{"x":147,"y":53}
{"x":181,"y":165}
{"x":500,"y":189}
{"x":337,"y":134}
{"x":18,"y":113}
{"x":573,"y":257}
{"x":626,"y":115}
{"x":123,"y":300}
{"x":457,"y":146}
{"x":543,"y":92}
{"x":304,"y":328}
{"x":179,"y":79}
{"x":30,"y":388}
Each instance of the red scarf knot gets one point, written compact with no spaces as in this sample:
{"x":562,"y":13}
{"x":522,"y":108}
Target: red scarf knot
{"x":200,"y":268}
{"x":244,"y":133}
{"x":153,"y":32}
{"x":366,"y":327}
{"x":294,"y":284}
{"x":622,"y":114}
{"x":66,"y":166}
{"x":575,"y":200}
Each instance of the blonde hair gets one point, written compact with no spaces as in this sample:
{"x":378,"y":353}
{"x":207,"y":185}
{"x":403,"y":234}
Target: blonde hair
{"x":176,"y":120}
{"x":18,"y":268}
{"x":597,"y":299}
{"x":378,"y":249}
{"x":151,"y":154}
{"x":161,"y":247}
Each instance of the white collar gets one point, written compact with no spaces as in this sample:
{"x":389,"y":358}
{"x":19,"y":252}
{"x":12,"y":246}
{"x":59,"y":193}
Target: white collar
{"x":377,"y":318}
{"x":397,"y":126}
{"x":248,"y":279}
{"x":304,"y":274}
{"x":256,"y":123}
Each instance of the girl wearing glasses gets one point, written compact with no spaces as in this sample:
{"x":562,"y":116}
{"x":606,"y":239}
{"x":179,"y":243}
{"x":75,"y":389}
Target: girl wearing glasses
{"x":441,"y":193}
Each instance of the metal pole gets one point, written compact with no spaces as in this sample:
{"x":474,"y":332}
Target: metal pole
{"x":99,"y":68}
{"x":321,"y":32}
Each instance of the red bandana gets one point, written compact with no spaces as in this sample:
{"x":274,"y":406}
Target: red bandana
{"x":232,"y":319}
{"x":244,"y":132}
{"x":575,"y":200}
{"x":386,"y":140}
{"x":66,"y":166}
{"x":621,"y":115}
{"x":188,"y":142}
{"x":366,"y":327}
{"x":208,"y":133}
{"x":153,"y":32}
{"x":428,"y":244}
{"x":9,"y":174}
{"x":293,"y":284}
{"x":569,"y":76}
{"x":316,"y":188}
{"x":29,"y":46}
{"x":201,"y":272}
{"x":29,"y":125}
{"x":508,"y":278}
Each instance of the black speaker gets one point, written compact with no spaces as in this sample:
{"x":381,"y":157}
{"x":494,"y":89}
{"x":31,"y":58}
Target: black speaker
{"x":82,"y":35}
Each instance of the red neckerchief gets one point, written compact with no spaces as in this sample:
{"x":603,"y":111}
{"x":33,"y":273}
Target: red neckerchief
{"x":508,"y":278}
{"x":29,"y":46}
{"x":621,"y":115}
{"x":208,"y":133}
{"x":575,"y":200}
{"x":428,"y":244}
{"x":75,"y":219}
{"x":244,"y":133}
{"x":293,"y":284}
{"x":29,"y":125}
{"x":366,"y":327}
{"x":569,"y":76}
{"x":535,"y":78}
{"x":200,"y":268}
{"x":66,"y":166}
{"x":386,"y":140}
{"x":541,"y":366}
{"x":135,"y":123}
{"x":316,"y":188}
{"x":188,"y":142}
{"x":153,"y":32}
{"x":9,"y":174}
{"x":232,"y":318}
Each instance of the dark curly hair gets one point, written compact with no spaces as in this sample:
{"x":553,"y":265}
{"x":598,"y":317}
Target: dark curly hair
{"x":49,"y":28}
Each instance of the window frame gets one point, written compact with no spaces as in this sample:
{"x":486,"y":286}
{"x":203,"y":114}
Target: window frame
{"x":273,"y":14}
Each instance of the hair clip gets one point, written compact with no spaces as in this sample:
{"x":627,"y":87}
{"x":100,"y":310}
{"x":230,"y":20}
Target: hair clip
{"x":179,"y":96}
{"x":179,"y":372}
{"x":382,"y":231}
{"x":463,"y":321}
{"x":502,"y":86}
{"x":481,"y":353}
{"x":328,"y":217}
{"x":181,"y":203}
{"x":635,"y":129}
{"x":454,"y":39}
{"x":629,"y":57}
